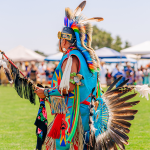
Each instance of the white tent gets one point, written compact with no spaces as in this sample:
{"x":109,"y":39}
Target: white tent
{"x":20,"y":53}
{"x":106,"y":52}
{"x":140,"y":49}
{"x":54,"y":57}
{"x":117,"y":60}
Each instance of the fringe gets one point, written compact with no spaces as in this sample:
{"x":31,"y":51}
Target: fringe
{"x":58,"y":105}
{"x":66,"y":76}
{"x":23,"y":86}
{"x":49,"y":143}
{"x":78,"y":137}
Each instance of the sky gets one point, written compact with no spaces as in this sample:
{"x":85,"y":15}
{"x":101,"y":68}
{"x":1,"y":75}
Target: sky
{"x":35,"y":23}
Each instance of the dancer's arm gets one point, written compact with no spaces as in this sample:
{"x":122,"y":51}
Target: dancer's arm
{"x":55,"y":91}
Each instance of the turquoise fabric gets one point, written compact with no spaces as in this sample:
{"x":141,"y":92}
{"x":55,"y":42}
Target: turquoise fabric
{"x":89,"y":82}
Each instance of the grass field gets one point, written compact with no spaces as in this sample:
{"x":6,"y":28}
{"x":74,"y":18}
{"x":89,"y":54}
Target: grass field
{"x":17,"y":129}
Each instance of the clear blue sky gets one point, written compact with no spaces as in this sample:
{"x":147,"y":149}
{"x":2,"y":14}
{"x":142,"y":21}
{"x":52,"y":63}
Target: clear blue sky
{"x":35,"y":23}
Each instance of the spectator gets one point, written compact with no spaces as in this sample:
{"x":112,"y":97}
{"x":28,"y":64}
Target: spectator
{"x":33,"y":71}
{"x":102,"y":74}
{"x":117,"y":75}
{"x":41,"y":70}
{"x":139,"y":77}
{"x":146,"y":74}
{"x":129,"y":74}
{"x":115,"y":70}
{"x":108,"y":78}
{"x":47,"y":73}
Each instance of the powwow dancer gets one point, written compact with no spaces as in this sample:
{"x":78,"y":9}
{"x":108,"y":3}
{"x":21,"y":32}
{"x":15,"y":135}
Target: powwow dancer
{"x":84,"y":118}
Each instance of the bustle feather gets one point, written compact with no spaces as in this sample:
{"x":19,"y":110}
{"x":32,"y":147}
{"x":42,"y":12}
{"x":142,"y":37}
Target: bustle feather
{"x":119,"y":113}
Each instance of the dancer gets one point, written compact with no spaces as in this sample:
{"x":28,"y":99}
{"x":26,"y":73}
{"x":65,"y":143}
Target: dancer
{"x":84,"y":118}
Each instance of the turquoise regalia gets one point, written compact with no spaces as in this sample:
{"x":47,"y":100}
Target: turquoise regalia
{"x":84,"y":118}
{"x":88,"y":83}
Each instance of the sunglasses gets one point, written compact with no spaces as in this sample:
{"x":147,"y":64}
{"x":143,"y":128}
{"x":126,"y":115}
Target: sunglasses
{"x":64,"y":36}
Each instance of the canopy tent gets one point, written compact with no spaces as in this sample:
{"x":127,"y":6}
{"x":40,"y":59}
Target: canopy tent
{"x":145,"y":56}
{"x":54,"y":57}
{"x":140,"y":49}
{"x":120,"y":60}
{"x":20,"y":53}
{"x":108,"y":53}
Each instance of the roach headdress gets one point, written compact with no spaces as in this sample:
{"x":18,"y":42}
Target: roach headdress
{"x":82,"y":35}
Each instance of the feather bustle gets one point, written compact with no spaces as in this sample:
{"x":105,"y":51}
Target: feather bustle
{"x":117,"y":141}
{"x":125,"y":106}
{"x":122,"y":100}
{"x":128,"y":112}
{"x":121,"y":128}
{"x":122,"y":123}
{"x":114,"y":83}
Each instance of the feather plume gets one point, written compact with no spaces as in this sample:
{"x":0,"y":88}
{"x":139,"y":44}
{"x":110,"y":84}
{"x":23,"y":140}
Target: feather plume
{"x":114,"y":83}
{"x":128,"y":112}
{"x":144,"y":90}
{"x":125,"y":106}
{"x":94,"y":19}
{"x":115,"y":138}
{"x":115,"y":98}
{"x":122,"y":123}
{"x":128,"y":118}
{"x":121,"y":136}
{"x":122,"y":100}
{"x":121,"y":128}
{"x":68,"y":13}
{"x":123,"y":83}
{"x":78,"y":10}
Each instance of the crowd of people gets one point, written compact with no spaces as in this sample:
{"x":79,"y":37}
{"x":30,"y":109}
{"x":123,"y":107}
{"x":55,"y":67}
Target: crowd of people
{"x":38,"y":72}
{"x":43,"y":73}
{"x":136,"y":77}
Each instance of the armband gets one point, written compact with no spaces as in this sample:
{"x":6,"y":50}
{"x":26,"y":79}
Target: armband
{"x":76,"y":78}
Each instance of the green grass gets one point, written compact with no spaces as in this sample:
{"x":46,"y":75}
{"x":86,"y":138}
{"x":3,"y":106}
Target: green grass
{"x":17,"y":129}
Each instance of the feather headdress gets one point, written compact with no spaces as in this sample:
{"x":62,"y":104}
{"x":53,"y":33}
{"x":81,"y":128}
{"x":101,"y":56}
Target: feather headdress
{"x":83,"y":32}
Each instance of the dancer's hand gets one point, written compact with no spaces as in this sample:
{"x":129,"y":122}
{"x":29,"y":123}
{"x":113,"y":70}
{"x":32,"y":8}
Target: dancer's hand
{"x":40,"y":92}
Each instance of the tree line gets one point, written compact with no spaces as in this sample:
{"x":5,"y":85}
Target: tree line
{"x":102,"y":38}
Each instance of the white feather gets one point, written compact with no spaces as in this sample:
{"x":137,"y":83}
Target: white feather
{"x":77,"y":13}
{"x":64,"y":84}
{"x":144,"y":90}
{"x":2,"y":63}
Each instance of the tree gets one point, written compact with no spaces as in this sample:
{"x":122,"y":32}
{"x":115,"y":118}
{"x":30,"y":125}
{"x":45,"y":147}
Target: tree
{"x":117,"y":44}
{"x":41,"y":53}
{"x":127,"y":44}
{"x":101,"y":38}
